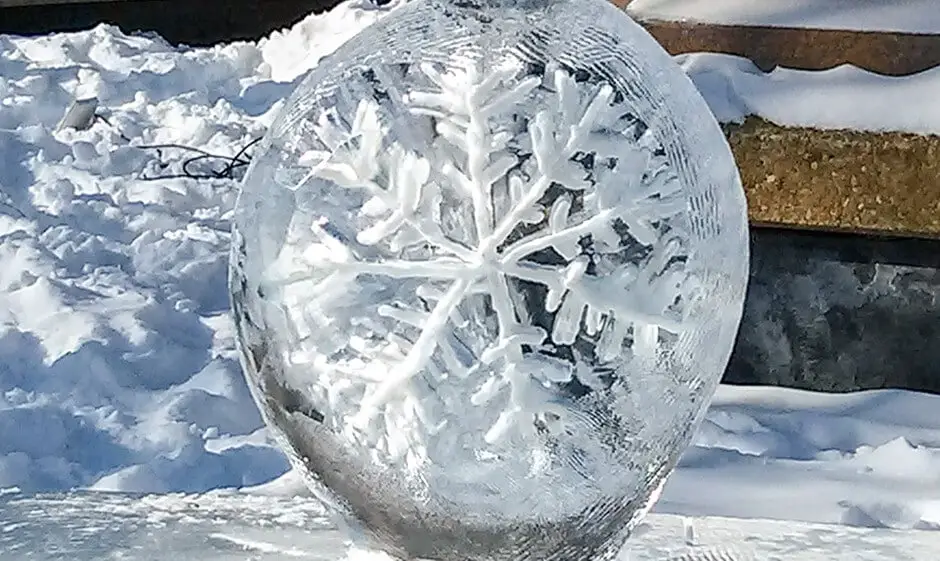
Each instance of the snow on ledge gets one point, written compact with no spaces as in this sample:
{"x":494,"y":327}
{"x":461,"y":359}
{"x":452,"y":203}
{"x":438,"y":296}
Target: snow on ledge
{"x":906,"y":16}
{"x":845,"y":97}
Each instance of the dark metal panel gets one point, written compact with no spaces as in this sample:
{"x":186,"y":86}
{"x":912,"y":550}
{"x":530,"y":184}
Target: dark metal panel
{"x":839,"y":312}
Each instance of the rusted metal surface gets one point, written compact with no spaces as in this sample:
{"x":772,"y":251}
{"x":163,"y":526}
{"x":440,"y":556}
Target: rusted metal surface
{"x":893,"y":54}
{"x":839,"y":180}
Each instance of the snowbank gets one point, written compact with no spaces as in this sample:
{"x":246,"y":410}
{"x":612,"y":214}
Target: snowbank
{"x":117,"y":365}
{"x":865,"y":459}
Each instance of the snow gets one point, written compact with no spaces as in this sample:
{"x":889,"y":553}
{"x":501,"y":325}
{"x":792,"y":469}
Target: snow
{"x":221,"y":526}
{"x":863,"y":459}
{"x":844,"y":97}
{"x":117,"y":364}
{"x":911,"y":16}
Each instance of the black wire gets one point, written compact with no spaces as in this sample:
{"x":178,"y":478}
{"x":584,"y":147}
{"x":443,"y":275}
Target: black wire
{"x":237,"y":161}
{"x":104,"y":120}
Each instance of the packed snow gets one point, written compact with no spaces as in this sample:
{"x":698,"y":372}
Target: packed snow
{"x":221,"y":526}
{"x":844,"y":97}
{"x":910,"y":16}
{"x":117,"y":364}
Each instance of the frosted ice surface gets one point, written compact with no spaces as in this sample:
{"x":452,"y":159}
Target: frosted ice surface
{"x":487,"y":270}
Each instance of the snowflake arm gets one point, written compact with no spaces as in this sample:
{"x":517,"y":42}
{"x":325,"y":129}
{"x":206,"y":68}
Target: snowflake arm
{"x":553,"y":147}
{"x":358,"y":168}
{"x":562,"y":237}
{"x":419,"y":353}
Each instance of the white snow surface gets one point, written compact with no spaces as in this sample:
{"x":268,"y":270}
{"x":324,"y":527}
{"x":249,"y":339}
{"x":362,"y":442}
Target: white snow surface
{"x":844,"y":97}
{"x":117,"y":364}
{"x":910,"y":16}
{"x":221,"y":526}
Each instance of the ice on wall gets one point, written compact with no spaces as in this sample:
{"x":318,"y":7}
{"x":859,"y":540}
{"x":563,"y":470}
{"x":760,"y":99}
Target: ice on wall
{"x":489,"y":261}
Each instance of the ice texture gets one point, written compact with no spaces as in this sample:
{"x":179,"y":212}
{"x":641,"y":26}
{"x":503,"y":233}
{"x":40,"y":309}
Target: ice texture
{"x":488,"y":265}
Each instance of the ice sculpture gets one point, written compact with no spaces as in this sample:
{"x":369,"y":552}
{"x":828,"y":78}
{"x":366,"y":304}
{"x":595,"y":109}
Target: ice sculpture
{"x":487,"y":269}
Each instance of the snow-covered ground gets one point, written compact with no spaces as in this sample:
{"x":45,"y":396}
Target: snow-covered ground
{"x":911,"y":16}
{"x":220,"y":526}
{"x":117,"y":365}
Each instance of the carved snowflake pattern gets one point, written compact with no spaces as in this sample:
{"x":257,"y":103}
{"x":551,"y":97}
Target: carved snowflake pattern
{"x":576,"y":173}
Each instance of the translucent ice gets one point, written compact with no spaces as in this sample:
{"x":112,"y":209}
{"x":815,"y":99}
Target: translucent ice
{"x":487,"y":270}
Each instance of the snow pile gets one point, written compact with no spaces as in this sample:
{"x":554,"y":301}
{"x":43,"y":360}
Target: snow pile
{"x":865,"y":459}
{"x":117,"y":366}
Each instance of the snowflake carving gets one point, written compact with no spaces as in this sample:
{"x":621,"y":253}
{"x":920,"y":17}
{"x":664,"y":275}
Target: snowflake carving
{"x":530,"y":188}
